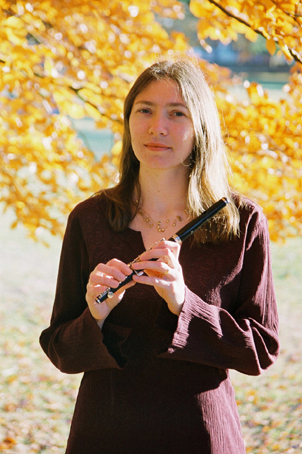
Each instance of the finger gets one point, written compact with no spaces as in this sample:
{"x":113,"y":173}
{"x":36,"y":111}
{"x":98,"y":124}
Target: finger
{"x":167,"y":248}
{"x":154,"y":281}
{"x":97,"y":281}
{"x":123,"y":267}
{"x":94,"y":291}
{"x":157,"y":262}
{"x":114,"y":266}
{"x":171,"y":245}
{"x":110,"y":274}
{"x":159,"y":266}
{"x":117,"y":295}
{"x":156,"y":254}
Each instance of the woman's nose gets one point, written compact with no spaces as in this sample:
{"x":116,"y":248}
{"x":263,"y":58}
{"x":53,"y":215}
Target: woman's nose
{"x":158,"y":125}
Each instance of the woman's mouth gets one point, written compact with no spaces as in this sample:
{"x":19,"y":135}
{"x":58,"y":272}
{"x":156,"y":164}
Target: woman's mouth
{"x":155,"y":146}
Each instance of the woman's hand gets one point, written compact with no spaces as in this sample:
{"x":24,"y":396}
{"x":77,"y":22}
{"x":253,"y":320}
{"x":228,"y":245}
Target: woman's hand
{"x":102,"y":277}
{"x":164,"y":274}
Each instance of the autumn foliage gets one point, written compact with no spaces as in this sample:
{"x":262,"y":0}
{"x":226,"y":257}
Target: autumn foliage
{"x":264,"y":136}
{"x":62,"y":60}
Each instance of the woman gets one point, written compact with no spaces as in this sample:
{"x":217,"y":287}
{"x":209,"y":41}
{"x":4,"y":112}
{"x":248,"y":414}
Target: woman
{"x":156,"y":355}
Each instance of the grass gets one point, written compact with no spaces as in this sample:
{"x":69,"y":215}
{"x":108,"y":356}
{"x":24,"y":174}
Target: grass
{"x":36,"y":400}
{"x":271,"y":405}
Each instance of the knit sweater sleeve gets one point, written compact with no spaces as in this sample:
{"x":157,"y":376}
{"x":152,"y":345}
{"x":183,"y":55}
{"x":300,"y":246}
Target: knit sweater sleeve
{"x":246,"y":337}
{"x":73,"y":342}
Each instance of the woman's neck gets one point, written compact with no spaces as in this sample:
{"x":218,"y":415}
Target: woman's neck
{"x":163,"y":192}
{"x":162,"y":205}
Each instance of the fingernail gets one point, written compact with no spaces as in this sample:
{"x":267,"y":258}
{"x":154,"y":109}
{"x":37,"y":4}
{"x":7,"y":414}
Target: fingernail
{"x":136,"y":265}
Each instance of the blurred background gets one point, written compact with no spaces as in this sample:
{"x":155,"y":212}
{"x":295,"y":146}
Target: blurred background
{"x":65,"y":68}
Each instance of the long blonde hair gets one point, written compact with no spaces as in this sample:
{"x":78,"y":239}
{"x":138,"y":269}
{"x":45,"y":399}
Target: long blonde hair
{"x":208,"y":177}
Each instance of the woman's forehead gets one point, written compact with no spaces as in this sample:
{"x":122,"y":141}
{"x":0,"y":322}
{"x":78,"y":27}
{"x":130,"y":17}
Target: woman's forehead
{"x":164,"y":90}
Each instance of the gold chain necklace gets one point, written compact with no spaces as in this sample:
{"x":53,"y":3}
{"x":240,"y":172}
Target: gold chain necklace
{"x":147,"y":218}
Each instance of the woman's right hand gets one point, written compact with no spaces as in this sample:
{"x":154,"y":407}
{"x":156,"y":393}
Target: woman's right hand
{"x":102,"y":277}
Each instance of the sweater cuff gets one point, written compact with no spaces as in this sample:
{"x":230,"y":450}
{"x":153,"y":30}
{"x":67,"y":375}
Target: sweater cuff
{"x":181,"y":339}
{"x":114,"y":336}
{"x":104,"y":346}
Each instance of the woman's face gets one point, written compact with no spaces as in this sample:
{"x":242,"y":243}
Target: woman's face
{"x":161,"y":128}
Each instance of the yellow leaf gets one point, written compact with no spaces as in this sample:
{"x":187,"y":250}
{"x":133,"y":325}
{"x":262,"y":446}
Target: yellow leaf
{"x":76,"y":111}
{"x":115,"y":44}
{"x":92,"y":111}
{"x":271,"y":46}
{"x":251,"y":35}
{"x":199,"y":8}
{"x":117,"y":148}
{"x":14,"y":224}
{"x":14,"y":22}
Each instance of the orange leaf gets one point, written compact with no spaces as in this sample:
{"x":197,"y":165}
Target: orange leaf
{"x":271,"y":46}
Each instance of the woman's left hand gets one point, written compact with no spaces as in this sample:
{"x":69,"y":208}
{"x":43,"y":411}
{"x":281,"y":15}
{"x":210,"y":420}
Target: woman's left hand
{"x":164,"y":273}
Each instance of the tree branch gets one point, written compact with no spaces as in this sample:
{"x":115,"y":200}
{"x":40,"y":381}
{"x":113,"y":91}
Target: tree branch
{"x":293,"y":16}
{"x":296,"y":56}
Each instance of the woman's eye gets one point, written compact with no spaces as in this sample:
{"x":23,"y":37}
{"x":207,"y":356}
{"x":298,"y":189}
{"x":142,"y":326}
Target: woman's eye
{"x":178,"y":114}
{"x":144,"y":110}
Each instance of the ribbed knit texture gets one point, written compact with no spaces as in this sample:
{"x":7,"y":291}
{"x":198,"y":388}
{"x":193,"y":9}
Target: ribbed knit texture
{"x":155,"y":383}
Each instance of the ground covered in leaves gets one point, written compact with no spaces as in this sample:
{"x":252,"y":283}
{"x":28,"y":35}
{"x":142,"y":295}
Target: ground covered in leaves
{"x":36,"y":400}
